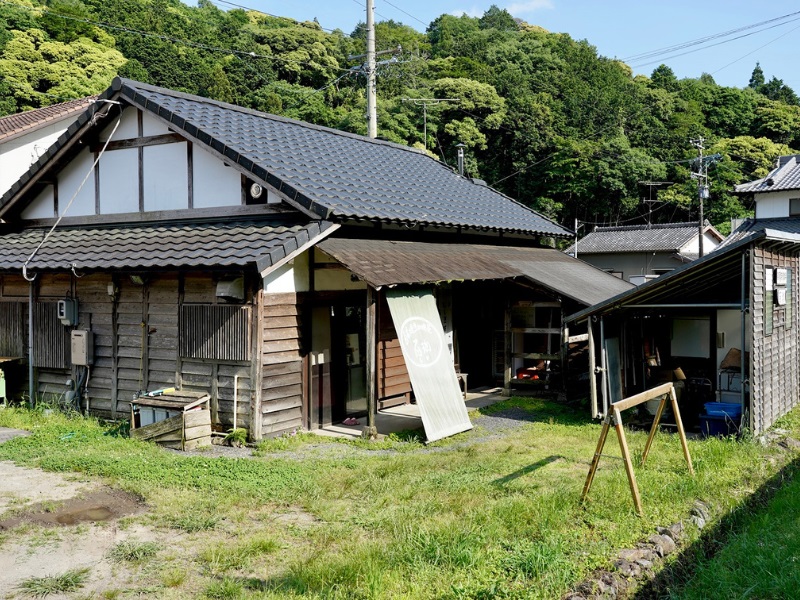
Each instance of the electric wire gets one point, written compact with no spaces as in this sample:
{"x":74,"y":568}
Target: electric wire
{"x":704,"y":39}
{"x":637,"y":64}
{"x":248,"y":8}
{"x":756,"y":50}
{"x":406,"y":13}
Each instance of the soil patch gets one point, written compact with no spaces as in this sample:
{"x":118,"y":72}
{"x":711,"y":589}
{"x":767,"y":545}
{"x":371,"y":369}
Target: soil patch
{"x":97,"y":506}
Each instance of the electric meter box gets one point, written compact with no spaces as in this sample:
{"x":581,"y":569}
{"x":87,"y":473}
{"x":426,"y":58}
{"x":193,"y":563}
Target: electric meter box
{"x":82,"y":344}
{"x":68,"y":311}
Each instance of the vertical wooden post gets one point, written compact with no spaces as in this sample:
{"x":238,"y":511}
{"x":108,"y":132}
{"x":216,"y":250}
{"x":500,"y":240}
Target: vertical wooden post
{"x":592,"y":368}
{"x":507,"y":353}
{"x":117,"y":289}
{"x":596,"y":459}
{"x":626,"y":456}
{"x":372,"y":397}
{"x":681,"y":432}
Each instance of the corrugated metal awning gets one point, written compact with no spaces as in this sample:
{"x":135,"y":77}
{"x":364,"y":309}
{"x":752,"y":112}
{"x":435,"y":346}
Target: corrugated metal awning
{"x":387,"y":263}
{"x":430,"y":367}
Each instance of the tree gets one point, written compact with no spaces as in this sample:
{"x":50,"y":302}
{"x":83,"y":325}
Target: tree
{"x":757,"y":78}
{"x":663,"y":77}
{"x":775,"y":89}
{"x":498,"y":18}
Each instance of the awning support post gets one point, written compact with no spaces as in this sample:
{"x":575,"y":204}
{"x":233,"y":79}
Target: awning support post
{"x":370,"y":431}
{"x":592,"y":370}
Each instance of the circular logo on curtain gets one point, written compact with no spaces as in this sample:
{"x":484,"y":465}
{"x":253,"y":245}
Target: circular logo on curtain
{"x":421,"y":341}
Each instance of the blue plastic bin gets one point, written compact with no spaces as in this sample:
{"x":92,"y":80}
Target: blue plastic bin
{"x":724,"y":409}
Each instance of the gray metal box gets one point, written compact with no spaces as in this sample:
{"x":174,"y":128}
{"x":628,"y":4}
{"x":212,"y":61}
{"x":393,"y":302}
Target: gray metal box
{"x":82,"y":344}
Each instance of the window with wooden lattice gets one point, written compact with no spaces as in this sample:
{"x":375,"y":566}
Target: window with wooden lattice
{"x":215,"y":332}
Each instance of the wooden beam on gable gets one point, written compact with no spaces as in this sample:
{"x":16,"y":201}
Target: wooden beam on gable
{"x":140,"y":142}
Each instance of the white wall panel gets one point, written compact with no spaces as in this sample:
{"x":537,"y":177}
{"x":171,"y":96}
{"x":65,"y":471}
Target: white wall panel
{"x":42,"y":206}
{"x":128,"y":126}
{"x":152,"y":126}
{"x":166,"y":177}
{"x":119,"y":181}
{"x":214,"y":183}
{"x":68,"y":182}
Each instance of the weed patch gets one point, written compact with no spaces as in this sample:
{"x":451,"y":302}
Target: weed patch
{"x":70,"y":581}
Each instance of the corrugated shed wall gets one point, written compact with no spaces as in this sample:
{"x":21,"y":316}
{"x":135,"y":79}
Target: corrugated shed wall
{"x":281,"y":364}
{"x":775,"y":384}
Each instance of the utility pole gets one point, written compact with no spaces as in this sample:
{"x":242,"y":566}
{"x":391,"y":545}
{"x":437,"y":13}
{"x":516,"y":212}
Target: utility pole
{"x":372,"y":102}
{"x":371,"y":69}
{"x":702,"y":186}
{"x":425,"y":103}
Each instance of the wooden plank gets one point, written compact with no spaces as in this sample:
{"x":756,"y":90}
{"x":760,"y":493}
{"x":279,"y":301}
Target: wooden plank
{"x":198,"y":443}
{"x":279,"y":357}
{"x":596,"y":458}
{"x":281,"y":404}
{"x":195,"y":418}
{"x":279,"y":428}
{"x":281,"y":333}
{"x":139,"y":142}
{"x":279,"y":323}
{"x":637,"y":399}
{"x":198,"y":431}
{"x":281,"y":417}
{"x":282,"y":368}
{"x":281,"y":346}
{"x":281,"y":392}
{"x":156,"y":429}
{"x":281,"y":310}
{"x":272,"y":299}
{"x":626,"y":457}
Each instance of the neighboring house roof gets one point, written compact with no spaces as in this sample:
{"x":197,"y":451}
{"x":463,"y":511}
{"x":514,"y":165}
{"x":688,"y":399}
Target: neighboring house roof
{"x":18,"y":124}
{"x":668,"y":237}
{"x":383,"y":262}
{"x":785,"y":176}
{"x":750,"y":227}
{"x":708,"y":280}
{"x":236,"y":244}
{"x":327,"y":173}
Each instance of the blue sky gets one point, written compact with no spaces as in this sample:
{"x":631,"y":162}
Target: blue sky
{"x":618,"y":28}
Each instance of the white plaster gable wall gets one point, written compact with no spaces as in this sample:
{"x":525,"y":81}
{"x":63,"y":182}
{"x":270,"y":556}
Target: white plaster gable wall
{"x":17,"y":155}
{"x":289,"y":278}
{"x":165,"y":175}
{"x":693,"y":246}
{"x":772,"y":205}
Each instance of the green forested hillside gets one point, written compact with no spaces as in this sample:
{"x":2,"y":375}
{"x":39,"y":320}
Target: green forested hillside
{"x":544,"y":118}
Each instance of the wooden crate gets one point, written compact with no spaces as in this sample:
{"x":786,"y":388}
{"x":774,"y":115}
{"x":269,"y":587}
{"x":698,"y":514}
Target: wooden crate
{"x":189,"y":429}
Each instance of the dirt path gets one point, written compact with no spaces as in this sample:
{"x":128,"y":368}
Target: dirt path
{"x":52,"y":523}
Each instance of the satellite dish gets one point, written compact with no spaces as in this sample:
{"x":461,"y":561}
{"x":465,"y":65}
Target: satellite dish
{"x":256,"y":190}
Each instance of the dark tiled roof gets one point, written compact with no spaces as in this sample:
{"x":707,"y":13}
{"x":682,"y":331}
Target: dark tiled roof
{"x":785,"y":176}
{"x":157,"y":246}
{"x":328,"y":173}
{"x":15,"y":125}
{"x":669,"y":237}
{"x":751,"y":227}
{"x":383,"y":262}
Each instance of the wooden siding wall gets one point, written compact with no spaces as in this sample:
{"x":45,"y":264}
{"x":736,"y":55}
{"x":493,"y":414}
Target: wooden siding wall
{"x":775,"y":370}
{"x":12,"y":329}
{"x":136,"y":335}
{"x":216,"y":376}
{"x":393,"y":378}
{"x":281,"y":364}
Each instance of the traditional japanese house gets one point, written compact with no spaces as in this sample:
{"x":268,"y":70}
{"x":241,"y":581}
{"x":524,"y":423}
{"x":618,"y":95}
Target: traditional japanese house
{"x":299,"y":275}
{"x":726,"y":324}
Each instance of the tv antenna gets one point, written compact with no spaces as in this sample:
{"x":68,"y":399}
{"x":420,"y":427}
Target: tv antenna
{"x":650,"y":199}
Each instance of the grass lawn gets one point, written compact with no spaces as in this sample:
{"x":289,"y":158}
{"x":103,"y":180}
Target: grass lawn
{"x":480,"y":515}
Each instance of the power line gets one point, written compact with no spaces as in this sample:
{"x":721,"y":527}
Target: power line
{"x":756,"y":50}
{"x":663,"y":58}
{"x":704,"y":39}
{"x":375,"y":11}
{"x":406,"y":13}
